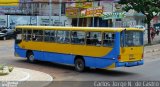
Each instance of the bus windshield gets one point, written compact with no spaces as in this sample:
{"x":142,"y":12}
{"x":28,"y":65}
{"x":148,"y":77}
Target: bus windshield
{"x":132,"y":38}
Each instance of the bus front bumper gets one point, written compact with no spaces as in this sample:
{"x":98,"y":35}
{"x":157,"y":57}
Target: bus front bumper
{"x":129,"y":64}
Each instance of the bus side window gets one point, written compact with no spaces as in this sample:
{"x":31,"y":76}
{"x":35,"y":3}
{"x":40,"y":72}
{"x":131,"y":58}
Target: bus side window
{"x":78,"y":37}
{"x":52,"y":36}
{"x":34,"y":35}
{"x":108,"y":39}
{"x":47,"y":35}
{"x":40,"y":36}
{"x":37,"y":35}
{"x":18,"y":34}
{"x":24,"y":34}
{"x":94,"y":38}
{"x":63,"y":37}
{"x":28,"y":35}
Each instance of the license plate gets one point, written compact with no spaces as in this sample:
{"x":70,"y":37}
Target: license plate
{"x":131,"y":57}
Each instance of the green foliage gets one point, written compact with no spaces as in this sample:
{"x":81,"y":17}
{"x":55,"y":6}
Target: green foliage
{"x":149,"y":8}
{"x":10,"y":69}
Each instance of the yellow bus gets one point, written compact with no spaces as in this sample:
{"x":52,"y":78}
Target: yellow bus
{"x":94,"y":47}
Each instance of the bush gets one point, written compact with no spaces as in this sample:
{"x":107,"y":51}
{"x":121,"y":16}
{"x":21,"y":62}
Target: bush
{"x":4,"y":70}
{"x":10,"y":68}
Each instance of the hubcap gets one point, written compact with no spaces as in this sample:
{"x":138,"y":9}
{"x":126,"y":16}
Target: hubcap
{"x":31,"y":58}
{"x":4,"y":38}
{"x":79,"y":65}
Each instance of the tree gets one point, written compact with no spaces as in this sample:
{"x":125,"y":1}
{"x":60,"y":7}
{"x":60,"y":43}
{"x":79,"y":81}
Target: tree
{"x":150,"y":8}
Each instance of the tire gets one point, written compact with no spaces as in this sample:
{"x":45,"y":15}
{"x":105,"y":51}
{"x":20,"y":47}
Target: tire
{"x":79,"y":65}
{"x":30,"y":57}
{"x":4,"y":38}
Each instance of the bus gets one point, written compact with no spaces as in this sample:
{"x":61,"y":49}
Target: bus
{"x":83,"y":47}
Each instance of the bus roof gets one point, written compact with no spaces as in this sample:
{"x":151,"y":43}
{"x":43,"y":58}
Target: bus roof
{"x":109,"y":29}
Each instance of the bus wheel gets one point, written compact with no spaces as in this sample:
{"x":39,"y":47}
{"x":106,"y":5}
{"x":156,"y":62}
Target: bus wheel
{"x":30,"y":57}
{"x":4,"y":38}
{"x":79,"y":65}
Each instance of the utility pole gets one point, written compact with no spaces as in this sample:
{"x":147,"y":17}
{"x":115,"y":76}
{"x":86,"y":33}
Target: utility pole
{"x":78,"y":14}
{"x":113,"y":20}
{"x":93,"y":14}
{"x":8,"y":22}
{"x":50,"y":12}
{"x":60,"y":11}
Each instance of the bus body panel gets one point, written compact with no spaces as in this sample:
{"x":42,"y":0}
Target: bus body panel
{"x":39,"y":55}
{"x":67,"y":48}
{"x":94,"y":29}
{"x":114,"y":53}
{"x":129,"y":64}
{"x":20,"y":52}
{"x":129,"y":54}
{"x":93,"y":62}
{"x":98,"y":62}
{"x":58,"y":58}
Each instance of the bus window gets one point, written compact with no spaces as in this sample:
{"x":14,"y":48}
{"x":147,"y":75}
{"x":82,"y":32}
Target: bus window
{"x":63,"y":37}
{"x":94,"y":38}
{"x":19,"y":34}
{"x":24,"y":34}
{"x":29,"y":33}
{"x":37,"y":35}
{"x":47,"y":35}
{"x":78,"y":37}
{"x":18,"y":38}
{"x":108,"y":39}
{"x":133,"y":38}
{"x":52,"y":36}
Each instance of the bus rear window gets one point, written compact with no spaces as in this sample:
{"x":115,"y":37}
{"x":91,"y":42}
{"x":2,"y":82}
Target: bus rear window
{"x":132,"y":38}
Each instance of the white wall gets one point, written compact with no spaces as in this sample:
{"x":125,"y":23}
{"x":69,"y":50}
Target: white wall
{"x":33,"y":20}
{"x":129,"y":22}
{"x":44,"y":20}
{"x":46,"y":11}
{"x":108,"y":6}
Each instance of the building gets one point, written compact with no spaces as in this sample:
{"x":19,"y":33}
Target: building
{"x":89,"y":14}
{"x":85,"y":13}
{"x":34,"y":12}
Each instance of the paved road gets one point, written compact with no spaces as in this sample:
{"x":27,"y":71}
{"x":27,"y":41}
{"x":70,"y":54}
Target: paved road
{"x":149,"y":71}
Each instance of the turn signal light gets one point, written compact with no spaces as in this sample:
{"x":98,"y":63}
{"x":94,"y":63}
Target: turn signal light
{"x":119,"y":57}
{"x":142,"y":56}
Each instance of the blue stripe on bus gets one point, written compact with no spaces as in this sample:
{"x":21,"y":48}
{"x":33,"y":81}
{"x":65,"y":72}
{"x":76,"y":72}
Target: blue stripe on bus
{"x":58,"y":58}
{"x":67,"y":59}
{"x":20,"y":52}
{"x":98,"y":62}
